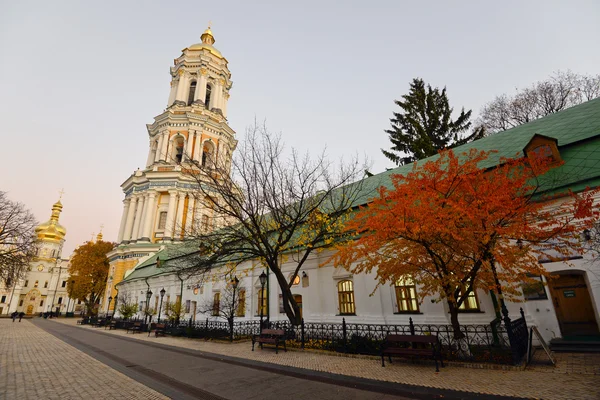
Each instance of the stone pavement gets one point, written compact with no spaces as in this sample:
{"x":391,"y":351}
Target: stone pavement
{"x":541,"y":382}
{"x":566,"y":363}
{"x":36,"y":365}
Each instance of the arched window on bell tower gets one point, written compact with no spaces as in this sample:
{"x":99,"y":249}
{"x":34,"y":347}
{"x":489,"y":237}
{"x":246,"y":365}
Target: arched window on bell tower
{"x":178,"y":144}
{"x":208,"y":151}
{"x":207,"y":97}
{"x":191,"y":93}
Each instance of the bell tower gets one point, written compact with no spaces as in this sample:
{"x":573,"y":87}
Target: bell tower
{"x":159,"y":205}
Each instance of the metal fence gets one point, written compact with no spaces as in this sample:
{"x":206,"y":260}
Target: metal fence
{"x":494,"y":342}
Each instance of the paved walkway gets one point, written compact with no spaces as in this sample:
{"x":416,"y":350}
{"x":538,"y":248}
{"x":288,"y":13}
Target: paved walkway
{"x":543,"y":382}
{"x":37,"y":365}
{"x":186,"y":374}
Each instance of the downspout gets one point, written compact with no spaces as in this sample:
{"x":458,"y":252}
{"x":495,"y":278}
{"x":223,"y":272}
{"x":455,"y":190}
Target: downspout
{"x":147,"y":300}
{"x":180,"y":298}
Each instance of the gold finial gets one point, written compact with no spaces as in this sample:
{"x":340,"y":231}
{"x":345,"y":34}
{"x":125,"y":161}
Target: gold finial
{"x":99,"y":236}
{"x":92,"y":239}
{"x":61,"y":192}
{"x":207,"y":37}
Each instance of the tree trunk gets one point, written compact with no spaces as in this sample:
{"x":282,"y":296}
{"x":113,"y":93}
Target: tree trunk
{"x":458,"y":334}
{"x":292,"y":311}
{"x":459,"y":337}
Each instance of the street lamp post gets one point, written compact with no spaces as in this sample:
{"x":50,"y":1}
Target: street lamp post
{"x":59,"y":265}
{"x":148,"y":295}
{"x":263,"y":280}
{"x":234,"y":284}
{"x":162,"y":294}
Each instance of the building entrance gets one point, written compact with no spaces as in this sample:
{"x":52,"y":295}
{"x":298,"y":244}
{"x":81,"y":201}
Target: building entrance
{"x":573,"y":305}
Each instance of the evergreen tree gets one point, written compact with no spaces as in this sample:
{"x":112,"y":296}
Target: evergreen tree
{"x":424,"y":125}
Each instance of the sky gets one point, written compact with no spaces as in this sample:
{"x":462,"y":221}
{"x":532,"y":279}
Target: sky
{"x":79,"y":80}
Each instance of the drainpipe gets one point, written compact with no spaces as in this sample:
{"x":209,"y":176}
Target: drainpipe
{"x":180,"y":297}
{"x":147,"y":300}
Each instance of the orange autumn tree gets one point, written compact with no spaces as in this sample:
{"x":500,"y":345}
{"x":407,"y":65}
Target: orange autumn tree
{"x":88,"y":271}
{"x":448,"y":224}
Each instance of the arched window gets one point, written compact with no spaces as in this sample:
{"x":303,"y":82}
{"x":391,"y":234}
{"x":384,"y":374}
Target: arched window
{"x":471,"y":303}
{"x":346,"y":297}
{"x":208,"y":150}
{"x":178,"y":149}
{"x":191,"y":93}
{"x":261,"y":301}
{"x":216,"y":303}
{"x":406,"y":295}
{"x":241,"y":306}
{"x":207,"y":97}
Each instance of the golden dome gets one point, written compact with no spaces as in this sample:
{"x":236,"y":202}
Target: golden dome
{"x":51,"y":230}
{"x":207,"y":43}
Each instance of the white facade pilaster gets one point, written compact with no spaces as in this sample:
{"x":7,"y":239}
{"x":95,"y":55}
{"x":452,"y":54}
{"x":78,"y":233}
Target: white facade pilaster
{"x":181,"y":87}
{"x":179,"y":218}
{"x":198,"y":148}
{"x":170,"y":214}
{"x":164,"y":146}
{"x":225,"y":101}
{"x":138,"y":232}
{"x":130,"y":216}
{"x":151,"y":155}
{"x":123,"y":219}
{"x":217,"y":93}
{"x":190,"y":215}
{"x":201,"y":88}
{"x":158,"y":147}
{"x":189,"y":145}
{"x":138,"y":217}
{"x":172,"y":93}
{"x":149,"y":216}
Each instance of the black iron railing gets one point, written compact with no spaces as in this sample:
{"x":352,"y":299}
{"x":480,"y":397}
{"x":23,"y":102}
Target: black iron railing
{"x":495,"y":342}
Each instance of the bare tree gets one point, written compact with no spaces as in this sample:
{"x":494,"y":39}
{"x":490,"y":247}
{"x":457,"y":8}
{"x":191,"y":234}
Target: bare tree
{"x":127,"y":307}
{"x":18,"y":245}
{"x":271,"y":206}
{"x":227,"y":303}
{"x":562,"y":90}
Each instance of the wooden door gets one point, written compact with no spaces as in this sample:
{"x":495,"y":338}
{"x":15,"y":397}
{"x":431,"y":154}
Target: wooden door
{"x":29,"y":309}
{"x":573,"y":305}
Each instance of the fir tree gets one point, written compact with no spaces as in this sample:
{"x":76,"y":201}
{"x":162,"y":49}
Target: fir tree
{"x":425,"y":125}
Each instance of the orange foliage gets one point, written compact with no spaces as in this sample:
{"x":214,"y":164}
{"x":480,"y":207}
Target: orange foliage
{"x":448,"y":222}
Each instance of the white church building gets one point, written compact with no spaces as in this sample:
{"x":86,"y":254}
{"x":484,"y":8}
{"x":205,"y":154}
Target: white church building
{"x":44,"y":285}
{"x":159,"y":208}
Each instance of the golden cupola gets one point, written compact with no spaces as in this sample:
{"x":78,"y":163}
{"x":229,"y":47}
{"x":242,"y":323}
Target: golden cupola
{"x":51,"y":230}
{"x":208,"y":40}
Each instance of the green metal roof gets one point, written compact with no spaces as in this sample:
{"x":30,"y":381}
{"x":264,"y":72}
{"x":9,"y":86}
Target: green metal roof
{"x":168,"y":255}
{"x":568,"y":127}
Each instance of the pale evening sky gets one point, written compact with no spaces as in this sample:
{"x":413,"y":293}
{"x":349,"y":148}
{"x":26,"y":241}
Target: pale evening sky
{"x":79,"y":80}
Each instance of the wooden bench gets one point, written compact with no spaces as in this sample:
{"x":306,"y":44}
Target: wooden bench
{"x":270,"y":336}
{"x":83,"y":321}
{"x":111,"y":325}
{"x":424,"y":346}
{"x":98,"y":323}
{"x":135,"y":327}
{"x":159,"y":330}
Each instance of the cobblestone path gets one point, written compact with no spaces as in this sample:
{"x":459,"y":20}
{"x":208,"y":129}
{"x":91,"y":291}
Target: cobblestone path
{"x":36,"y":365}
{"x":542,"y":382}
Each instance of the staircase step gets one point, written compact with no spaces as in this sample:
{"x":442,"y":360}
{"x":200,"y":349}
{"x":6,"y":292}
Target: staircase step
{"x":575,"y":349}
